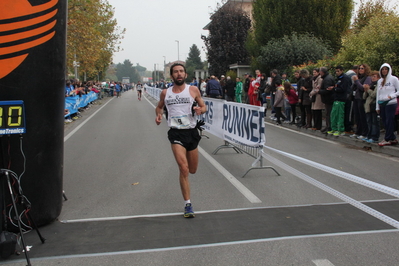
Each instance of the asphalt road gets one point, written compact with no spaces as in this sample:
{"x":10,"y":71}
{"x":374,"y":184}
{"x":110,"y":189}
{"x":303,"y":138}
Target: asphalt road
{"x":118,"y":164}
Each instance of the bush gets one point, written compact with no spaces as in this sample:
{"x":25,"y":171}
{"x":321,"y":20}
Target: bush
{"x":292,"y":50}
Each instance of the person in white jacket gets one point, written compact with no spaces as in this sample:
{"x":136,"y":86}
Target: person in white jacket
{"x":387,"y":92}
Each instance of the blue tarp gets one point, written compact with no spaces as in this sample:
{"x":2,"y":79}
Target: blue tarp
{"x":73,"y":103}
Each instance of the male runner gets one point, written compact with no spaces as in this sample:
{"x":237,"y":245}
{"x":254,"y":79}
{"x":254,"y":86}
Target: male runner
{"x":183,"y":102}
{"x":139,"y":88}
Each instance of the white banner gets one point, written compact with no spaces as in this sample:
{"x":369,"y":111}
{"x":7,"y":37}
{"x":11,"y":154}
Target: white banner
{"x":234,"y":122}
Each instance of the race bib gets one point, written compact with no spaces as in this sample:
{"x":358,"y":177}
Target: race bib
{"x":181,"y":122}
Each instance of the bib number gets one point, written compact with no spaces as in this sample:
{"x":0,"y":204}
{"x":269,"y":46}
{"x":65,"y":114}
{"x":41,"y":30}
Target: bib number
{"x":181,"y":121}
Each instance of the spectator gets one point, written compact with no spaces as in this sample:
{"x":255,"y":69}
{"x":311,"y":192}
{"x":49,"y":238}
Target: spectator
{"x":387,"y":92}
{"x":292,"y":97}
{"x":238,"y":90}
{"x":213,"y":88}
{"x":338,"y":109}
{"x":279,"y":101}
{"x":246,"y":87}
{"x":253,"y":91}
{"x":118,"y":89}
{"x":222,"y":82}
{"x":349,"y":116}
{"x":369,"y":96}
{"x":275,"y":78}
{"x":203,"y":86}
{"x":229,"y":89}
{"x":262,"y":91}
{"x":194,"y":82}
{"x":111,"y":89}
{"x":304,"y":89}
{"x":363,"y":77}
{"x":284,"y":78}
{"x":68,"y":89}
{"x":317,"y":104}
{"x":327,"y":95}
{"x":287,"y":106}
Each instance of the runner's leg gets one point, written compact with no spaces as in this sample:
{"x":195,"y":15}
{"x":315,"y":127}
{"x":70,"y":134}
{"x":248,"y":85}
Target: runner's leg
{"x":192,"y":158}
{"x":180,"y":154}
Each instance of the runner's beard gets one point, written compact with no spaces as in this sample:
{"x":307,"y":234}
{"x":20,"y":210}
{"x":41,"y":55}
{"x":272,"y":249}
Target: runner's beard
{"x":178,"y":82}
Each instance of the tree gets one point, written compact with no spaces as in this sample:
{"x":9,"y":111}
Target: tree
{"x":368,"y":10}
{"x":225,"y":44}
{"x":127,"y":70}
{"x":328,"y":20}
{"x":292,"y":50}
{"x":193,"y":62}
{"x":92,"y":35}
{"x":375,"y":44}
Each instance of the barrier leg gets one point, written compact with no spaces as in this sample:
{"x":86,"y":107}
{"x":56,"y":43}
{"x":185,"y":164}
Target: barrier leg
{"x":261,"y":166}
{"x":226,"y":145}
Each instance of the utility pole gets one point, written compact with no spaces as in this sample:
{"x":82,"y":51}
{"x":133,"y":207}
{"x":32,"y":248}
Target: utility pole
{"x":178,"y":53}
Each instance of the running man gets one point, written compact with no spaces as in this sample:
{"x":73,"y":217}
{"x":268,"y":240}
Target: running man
{"x":183,"y":102}
{"x":139,"y":88}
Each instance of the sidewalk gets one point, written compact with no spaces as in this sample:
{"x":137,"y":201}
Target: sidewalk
{"x":371,"y":147}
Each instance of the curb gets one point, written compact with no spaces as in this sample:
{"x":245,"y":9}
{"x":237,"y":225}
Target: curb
{"x":371,"y":147}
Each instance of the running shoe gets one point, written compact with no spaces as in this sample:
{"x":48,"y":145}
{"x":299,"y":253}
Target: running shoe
{"x":394,"y":142}
{"x":331,"y":132}
{"x":384,"y":143}
{"x":371,"y":141}
{"x":353,"y":136}
{"x":337,"y":133}
{"x":188,"y":211}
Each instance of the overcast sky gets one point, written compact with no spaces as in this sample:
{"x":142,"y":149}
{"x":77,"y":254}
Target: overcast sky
{"x":154,"y":26}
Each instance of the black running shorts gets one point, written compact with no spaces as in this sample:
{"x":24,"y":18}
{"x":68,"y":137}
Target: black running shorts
{"x":188,"y":138}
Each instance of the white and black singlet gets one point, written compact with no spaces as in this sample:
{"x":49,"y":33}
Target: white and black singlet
{"x":179,"y":107}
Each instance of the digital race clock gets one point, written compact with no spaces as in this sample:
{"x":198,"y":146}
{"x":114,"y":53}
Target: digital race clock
{"x":12,"y":117}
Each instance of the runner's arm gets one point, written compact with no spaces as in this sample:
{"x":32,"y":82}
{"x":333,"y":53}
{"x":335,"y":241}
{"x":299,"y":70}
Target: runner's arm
{"x":201,"y":107}
{"x":159,"y":108}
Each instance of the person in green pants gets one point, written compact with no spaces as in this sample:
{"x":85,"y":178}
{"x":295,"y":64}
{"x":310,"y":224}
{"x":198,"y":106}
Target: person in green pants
{"x":238,"y":91}
{"x":341,"y":89}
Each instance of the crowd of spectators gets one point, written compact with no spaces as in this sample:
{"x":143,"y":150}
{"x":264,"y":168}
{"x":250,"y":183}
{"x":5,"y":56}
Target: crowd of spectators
{"x":102,"y":89}
{"x":359,"y":103}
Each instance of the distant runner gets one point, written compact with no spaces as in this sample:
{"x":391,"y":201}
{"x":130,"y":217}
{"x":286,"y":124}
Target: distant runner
{"x":139,"y":88}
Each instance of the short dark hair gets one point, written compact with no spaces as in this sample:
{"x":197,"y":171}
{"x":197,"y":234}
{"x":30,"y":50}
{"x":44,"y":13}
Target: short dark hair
{"x":174,"y":65}
{"x":340,"y":68}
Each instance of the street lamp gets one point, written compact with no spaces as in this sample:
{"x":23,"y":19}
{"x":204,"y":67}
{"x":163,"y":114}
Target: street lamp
{"x":164,"y":67}
{"x":178,"y":56}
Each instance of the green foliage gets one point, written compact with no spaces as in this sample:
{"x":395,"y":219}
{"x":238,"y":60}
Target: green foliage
{"x":375,"y":44}
{"x":140,"y":69}
{"x":292,"y":50}
{"x":193,"y":62}
{"x":92,"y":35}
{"x":324,"y":19}
{"x":368,"y":10}
{"x":232,"y":75}
{"x":225,"y":44}
{"x":127,"y":70}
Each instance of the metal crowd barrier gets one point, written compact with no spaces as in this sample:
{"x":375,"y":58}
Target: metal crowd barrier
{"x":255,"y":152}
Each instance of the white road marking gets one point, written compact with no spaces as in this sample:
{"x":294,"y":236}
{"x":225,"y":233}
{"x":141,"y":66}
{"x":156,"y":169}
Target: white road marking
{"x":243,"y":242}
{"x":322,"y":262}
{"x":83,"y":123}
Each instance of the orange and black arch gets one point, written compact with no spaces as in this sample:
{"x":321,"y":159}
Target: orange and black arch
{"x":23,"y":26}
